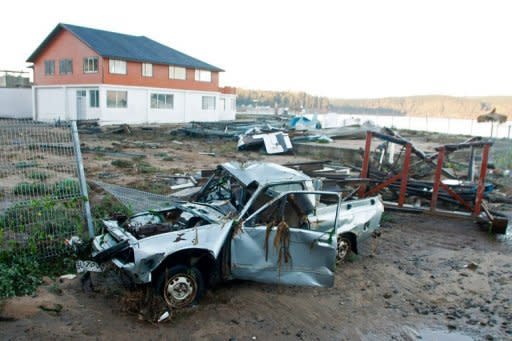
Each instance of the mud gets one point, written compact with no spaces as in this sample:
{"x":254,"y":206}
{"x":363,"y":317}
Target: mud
{"x":417,"y":283}
{"x":411,"y":282}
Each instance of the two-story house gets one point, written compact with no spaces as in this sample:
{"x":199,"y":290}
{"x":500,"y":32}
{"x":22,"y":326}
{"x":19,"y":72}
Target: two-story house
{"x":84,"y":73}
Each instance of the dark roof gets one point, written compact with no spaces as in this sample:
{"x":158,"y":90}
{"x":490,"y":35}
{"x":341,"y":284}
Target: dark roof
{"x":127,"y":47}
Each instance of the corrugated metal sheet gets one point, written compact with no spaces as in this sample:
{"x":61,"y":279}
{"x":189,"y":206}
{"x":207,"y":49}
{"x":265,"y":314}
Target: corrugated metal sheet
{"x":127,"y":47}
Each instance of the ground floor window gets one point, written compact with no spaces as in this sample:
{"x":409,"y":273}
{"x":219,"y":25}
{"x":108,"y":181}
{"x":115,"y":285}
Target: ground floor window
{"x":162,"y":101}
{"x":117,"y":99}
{"x":208,"y":102}
{"x":223,"y":104}
{"x":94,"y":98}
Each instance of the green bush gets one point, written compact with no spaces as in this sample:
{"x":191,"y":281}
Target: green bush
{"x":18,"y":276}
{"x":21,"y":274}
{"x":67,"y":187}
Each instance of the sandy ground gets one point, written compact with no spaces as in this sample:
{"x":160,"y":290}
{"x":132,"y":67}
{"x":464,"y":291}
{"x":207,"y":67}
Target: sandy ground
{"x":416,"y":283}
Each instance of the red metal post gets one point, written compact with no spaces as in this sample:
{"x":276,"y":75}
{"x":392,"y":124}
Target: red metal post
{"x":481,"y":180}
{"x":437,"y":179}
{"x":366,"y":162}
{"x":405,"y":174}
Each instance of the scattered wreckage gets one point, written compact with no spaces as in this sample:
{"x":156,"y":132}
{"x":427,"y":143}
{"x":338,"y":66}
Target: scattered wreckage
{"x":262,"y":222}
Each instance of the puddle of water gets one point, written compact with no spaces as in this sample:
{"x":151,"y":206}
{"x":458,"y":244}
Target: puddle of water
{"x":441,"y":335}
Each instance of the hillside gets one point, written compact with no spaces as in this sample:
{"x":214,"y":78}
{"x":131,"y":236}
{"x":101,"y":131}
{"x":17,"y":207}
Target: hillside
{"x":433,"y":106}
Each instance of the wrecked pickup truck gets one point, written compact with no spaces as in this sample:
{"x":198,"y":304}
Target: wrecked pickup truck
{"x":261,"y":222}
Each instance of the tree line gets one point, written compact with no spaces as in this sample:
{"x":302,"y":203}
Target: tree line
{"x":283,"y":99}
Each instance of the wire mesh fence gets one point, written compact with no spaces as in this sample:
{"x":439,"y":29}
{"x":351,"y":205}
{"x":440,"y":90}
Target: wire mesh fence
{"x":41,"y":202}
{"x":136,"y":200}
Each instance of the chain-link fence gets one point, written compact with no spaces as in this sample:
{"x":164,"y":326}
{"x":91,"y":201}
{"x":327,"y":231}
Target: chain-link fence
{"x":41,"y":199}
{"x":136,"y":200}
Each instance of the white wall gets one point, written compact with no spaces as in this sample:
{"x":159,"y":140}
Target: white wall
{"x":16,"y":102}
{"x":187,"y":107}
{"x":50,"y":103}
{"x":59,"y":102}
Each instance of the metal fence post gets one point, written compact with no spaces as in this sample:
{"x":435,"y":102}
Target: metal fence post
{"x":81,"y":178}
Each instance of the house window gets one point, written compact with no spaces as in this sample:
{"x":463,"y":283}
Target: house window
{"x":90,"y":64}
{"x":162,"y":101}
{"x":176,"y":72}
{"x":223,"y":104}
{"x":49,"y":67}
{"x":208,"y":103}
{"x":94,"y":98}
{"x":233,"y":104}
{"x":117,"y":66}
{"x":147,"y":70}
{"x":65,"y":66}
{"x":117,"y":99}
{"x":203,"y":76}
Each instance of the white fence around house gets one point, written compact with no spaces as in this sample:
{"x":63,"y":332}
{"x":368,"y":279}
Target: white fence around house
{"x":16,"y":102}
{"x":430,"y":124}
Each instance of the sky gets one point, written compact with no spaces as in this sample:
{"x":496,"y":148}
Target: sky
{"x":345,"y":49}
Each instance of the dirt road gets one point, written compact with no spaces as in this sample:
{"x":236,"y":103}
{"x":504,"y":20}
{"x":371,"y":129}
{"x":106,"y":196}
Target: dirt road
{"x":417,"y":282}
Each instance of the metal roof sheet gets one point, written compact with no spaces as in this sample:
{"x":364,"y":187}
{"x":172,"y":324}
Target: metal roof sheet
{"x":127,"y":47}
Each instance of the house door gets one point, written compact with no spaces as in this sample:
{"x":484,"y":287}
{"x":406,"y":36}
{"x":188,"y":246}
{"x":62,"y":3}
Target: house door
{"x":81,"y":105}
{"x":290,"y":240}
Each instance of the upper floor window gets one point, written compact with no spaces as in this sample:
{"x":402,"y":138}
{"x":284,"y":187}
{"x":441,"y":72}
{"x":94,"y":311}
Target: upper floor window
{"x":203,"y":76}
{"x":162,"y":101}
{"x":90,"y":64}
{"x":117,"y":99}
{"x":117,"y":66}
{"x":177,"y":72}
{"x":147,"y":70}
{"x":49,"y":67}
{"x":65,"y":66}
{"x":208,"y":102}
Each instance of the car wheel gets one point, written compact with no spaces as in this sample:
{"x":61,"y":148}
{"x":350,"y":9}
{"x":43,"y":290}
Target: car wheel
{"x":344,"y":248}
{"x":181,"y":286}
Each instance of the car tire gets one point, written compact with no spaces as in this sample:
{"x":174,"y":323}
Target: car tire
{"x":180,"y":286}
{"x":343,"y":249}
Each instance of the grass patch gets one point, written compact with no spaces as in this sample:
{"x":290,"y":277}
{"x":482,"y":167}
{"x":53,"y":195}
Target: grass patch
{"x":25,"y":164}
{"x":161,"y":154}
{"x":37,"y":175}
{"x":27,"y":188}
{"x":387,"y":218}
{"x":67,"y":187}
{"x":122,"y":163}
{"x":503,"y":159}
{"x":144,"y":167}
{"x":108,"y":207}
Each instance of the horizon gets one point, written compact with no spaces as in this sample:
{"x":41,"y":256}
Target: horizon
{"x":363,"y":50}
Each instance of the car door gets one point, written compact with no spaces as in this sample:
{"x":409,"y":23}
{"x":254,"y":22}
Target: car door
{"x":288,"y":241}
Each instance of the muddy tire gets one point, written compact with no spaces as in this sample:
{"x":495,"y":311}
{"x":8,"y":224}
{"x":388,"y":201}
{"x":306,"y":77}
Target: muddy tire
{"x":343,"y":249}
{"x":180,"y":286}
